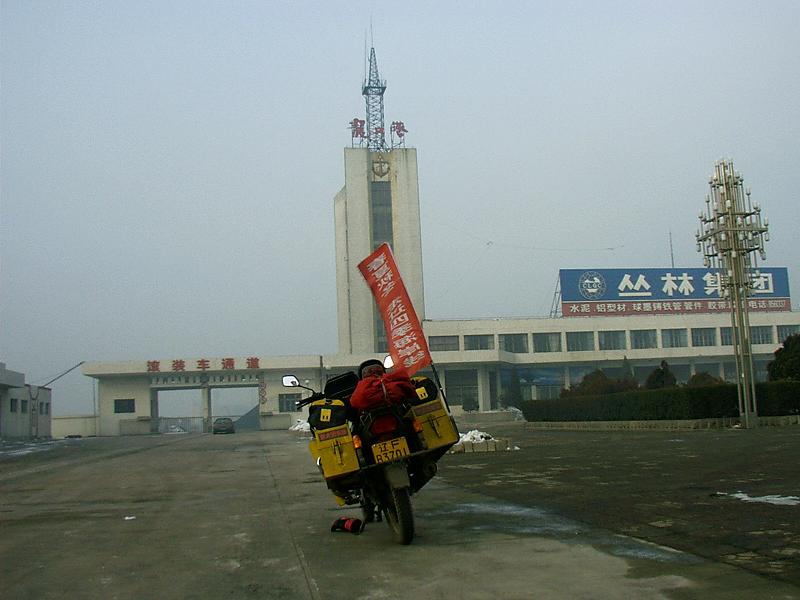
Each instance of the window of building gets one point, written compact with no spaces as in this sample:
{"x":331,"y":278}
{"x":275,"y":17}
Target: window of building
{"x":681,"y":372}
{"x":443,"y":343}
{"x":13,"y":405}
{"x":710,"y":368}
{"x":761,"y":370}
{"x":725,"y":337}
{"x":547,"y":342}
{"x":514,"y":342}
{"x":729,"y":371}
{"x":674,"y":338}
{"x":478,"y":342}
{"x":580,"y":341}
{"x":125,"y":405}
{"x":784,"y":331}
{"x":286,"y":402}
{"x":704,"y":336}
{"x":642,"y":372}
{"x":381,"y":341}
{"x":547,"y":392}
{"x":462,"y":388}
{"x":611,"y":340}
{"x":643,"y":338}
{"x":381,"y":213}
{"x":546,"y":382}
{"x":761,"y":334}
{"x":381,"y":231}
{"x":24,"y":406}
{"x":578,"y":372}
{"x":41,"y":408}
{"x":47,"y":408}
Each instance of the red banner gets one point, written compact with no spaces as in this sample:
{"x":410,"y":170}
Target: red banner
{"x":407,"y":343}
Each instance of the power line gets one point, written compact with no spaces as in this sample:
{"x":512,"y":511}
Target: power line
{"x":61,"y":375}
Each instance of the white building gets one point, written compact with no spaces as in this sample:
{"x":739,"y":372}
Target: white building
{"x":24,"y":409}
{"x":378,"y":203}
{"x":476,"y":359}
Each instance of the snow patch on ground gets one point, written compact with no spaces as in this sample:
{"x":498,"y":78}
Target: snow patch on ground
{"x":475,"y":436}
{"x":779,"y":500}
{"x":14,"y":449}
{"x":300,"y":425}
{"x":518,"y":416}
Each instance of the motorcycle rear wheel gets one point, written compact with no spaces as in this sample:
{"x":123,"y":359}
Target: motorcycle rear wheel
{"x":400,"y":516}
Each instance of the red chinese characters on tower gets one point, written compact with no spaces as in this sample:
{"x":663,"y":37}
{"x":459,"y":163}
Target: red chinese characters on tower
{"x":228,"y":363}
{"x":153,"y":366}
{"x":203,"y":364}
{"x":399,"y":129}
{"x":252,"y":363}
{"x":178,"y":365}
{"x":357,"y":129}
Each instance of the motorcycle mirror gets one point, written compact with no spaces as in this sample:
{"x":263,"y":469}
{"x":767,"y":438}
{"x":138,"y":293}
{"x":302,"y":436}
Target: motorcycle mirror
{"x":290,"y":381}
{"x":388,"y":363}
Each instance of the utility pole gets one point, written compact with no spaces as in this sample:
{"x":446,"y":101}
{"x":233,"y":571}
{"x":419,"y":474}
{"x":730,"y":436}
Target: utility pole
{"x":731,"y":238}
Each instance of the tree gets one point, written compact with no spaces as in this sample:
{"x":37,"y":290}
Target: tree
{"x":703,"y":378}
{"x":787,"y":360}
{"x":627,"y":370}
{"x":661,"y":377}
{"x":628,"y":379}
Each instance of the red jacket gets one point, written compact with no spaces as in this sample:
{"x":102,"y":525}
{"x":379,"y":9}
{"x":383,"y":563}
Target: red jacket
{"x":370,"y":391}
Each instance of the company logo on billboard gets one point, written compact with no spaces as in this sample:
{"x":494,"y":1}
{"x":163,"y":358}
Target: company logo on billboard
{"x":591,"y":285}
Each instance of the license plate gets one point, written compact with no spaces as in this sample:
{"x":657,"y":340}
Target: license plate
{"x":390,"y":450}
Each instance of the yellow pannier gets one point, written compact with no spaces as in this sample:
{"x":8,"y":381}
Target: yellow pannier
{"x":335,"y":451}
{"x":438,"y":428}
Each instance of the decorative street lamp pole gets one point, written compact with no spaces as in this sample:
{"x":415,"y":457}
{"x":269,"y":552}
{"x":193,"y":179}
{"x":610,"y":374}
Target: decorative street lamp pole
{"x":731,"y":234}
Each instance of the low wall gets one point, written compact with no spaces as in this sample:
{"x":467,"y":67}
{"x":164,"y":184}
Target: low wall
{"x":677,"y":424}
{"x":490,"y":416}
{"x":79,"y":425}
{"x":139,"y":426}
{"x":276,"y":421}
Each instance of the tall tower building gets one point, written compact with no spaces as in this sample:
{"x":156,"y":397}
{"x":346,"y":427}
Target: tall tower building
{"x":378,"y":203}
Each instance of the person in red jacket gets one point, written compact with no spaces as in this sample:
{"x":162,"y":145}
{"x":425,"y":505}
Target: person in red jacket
{"x":377,"y":387}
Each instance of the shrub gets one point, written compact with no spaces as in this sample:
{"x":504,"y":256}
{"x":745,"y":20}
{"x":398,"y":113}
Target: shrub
{"x":703,"y":379}
{"x":597,"y":383}
{"x":676,"y":403}
{"x":661,"y":377}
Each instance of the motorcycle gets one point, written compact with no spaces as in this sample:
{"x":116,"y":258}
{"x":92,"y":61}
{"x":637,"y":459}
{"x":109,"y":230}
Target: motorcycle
{"x":380,"y":457}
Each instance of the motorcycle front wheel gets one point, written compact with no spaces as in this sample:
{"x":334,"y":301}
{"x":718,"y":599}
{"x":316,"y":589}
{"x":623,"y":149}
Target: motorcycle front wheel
{"x":400,"y":516}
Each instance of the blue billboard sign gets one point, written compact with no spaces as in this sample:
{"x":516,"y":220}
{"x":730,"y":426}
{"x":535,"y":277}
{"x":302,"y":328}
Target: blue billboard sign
{"x":586,"y":292}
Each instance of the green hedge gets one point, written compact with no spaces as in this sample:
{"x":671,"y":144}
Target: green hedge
{"x":775,"y":398}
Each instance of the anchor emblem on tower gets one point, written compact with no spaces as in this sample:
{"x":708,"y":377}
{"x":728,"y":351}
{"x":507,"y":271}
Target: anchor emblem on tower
{"x":380,"y":167}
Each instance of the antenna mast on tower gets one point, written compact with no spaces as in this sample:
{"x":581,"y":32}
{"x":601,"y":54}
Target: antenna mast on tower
{"x":372,"y":91}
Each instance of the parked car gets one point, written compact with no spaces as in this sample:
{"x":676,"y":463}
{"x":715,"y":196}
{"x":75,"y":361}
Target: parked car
{"x":223,"y":425}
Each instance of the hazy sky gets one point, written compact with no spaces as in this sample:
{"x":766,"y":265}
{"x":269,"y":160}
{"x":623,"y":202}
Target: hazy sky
{"x":168,"y":167}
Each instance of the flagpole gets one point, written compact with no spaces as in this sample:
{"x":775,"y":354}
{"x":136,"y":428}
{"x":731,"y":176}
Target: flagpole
{"x":439,"y":385}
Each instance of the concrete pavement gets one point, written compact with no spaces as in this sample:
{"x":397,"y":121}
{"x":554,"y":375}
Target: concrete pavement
{"x":247,"y":516}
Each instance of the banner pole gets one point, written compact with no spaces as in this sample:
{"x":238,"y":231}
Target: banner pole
{"x":439,"y":385}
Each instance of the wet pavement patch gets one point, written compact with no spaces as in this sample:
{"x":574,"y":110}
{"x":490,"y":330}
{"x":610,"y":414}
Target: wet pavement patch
{"x":521,"y":520}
